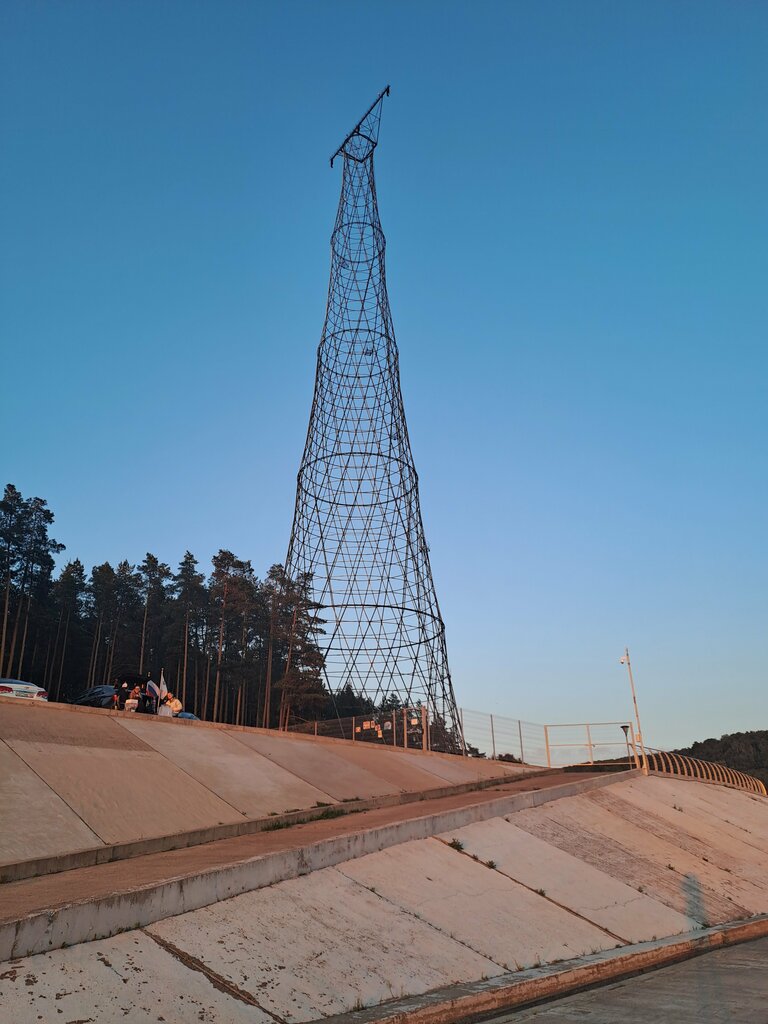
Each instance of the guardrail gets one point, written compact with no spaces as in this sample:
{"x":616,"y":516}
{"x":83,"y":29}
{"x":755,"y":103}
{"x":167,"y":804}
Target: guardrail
{"x":668,"y":763}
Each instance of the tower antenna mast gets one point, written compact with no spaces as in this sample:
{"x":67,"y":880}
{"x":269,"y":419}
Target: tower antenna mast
{"x":362,"y":123}
{"x":357,"y":528}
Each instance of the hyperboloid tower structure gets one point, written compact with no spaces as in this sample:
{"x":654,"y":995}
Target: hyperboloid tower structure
{"x":357,"y":524}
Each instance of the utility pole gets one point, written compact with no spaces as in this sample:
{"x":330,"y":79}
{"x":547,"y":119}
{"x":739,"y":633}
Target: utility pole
{"x":639,"y":737}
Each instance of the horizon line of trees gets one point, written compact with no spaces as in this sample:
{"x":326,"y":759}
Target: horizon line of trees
{"x":743,"y":751}
{"x":233,"y":647}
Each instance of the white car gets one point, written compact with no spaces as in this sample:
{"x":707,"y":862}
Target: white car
{"x":16,"y":688}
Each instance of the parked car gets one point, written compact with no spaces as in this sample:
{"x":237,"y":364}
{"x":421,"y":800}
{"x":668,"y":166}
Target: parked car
{"x":18,"y":688}
{"x":96,"y":697}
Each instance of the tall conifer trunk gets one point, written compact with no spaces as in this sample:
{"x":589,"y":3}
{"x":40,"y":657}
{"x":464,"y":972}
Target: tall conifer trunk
{"x":196,"y":691}
{"x":186,"y":652}
{"x":6,"y":606}
{"x":217,"y":684}
{"x":24,"y":638}
{"x":63,"y":656}
{"x":207,"y":685}
{"x":94,"y":648}
{"x":48,"y":675}
{"x":14,"y":636}
{"x":143,"y":635}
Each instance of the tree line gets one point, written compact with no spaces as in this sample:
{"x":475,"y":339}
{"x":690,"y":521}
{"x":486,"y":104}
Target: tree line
{"x":233,"y":647}
{"x":743,"y":751}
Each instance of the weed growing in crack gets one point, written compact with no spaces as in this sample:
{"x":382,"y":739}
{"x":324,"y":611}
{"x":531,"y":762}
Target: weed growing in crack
{"x":331,"y":812}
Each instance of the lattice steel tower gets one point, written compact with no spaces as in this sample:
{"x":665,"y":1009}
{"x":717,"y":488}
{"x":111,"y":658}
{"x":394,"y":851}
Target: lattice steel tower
{"x":357,"y":524}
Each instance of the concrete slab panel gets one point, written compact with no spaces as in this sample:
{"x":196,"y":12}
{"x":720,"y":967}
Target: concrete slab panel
{"x":690,"y":851}
{"x":37,"y":724}
{"x":686,"y":883}
{"x":318,"y":763}
{"x":407,"y":774}
{"x":456,"y":770}
{"x":629,"y":915}
{"x":693,"y":826}
{"x":236,"y":773}
{"x":124,"y":795}
{"x":476,"y":905}
{"x":128,"y":979}
{"x":35,"y":821}
{"x":321,"y":945}
{"x":743,"y":812}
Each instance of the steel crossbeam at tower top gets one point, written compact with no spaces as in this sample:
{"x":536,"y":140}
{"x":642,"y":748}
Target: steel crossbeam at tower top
{"x":357,"y":523}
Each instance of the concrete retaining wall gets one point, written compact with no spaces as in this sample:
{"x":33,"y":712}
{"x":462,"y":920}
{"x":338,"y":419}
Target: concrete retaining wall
{"x":427,"y":918}
{"x":141,"y":906}
{"x":87,"y":778}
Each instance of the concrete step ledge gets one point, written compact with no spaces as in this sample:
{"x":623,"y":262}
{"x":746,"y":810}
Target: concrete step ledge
{"x":493,"y":997}
{"x":15,"y":871}
{"x":101,"y":917}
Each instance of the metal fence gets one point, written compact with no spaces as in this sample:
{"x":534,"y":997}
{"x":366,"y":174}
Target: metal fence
{"x":553,"y":745}
{"x":608,"y":745}
{"x":501,"y":738}
{"x":495,"y":737}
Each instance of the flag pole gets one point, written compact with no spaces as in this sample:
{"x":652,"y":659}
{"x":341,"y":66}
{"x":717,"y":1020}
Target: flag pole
{"x":625,"y":660}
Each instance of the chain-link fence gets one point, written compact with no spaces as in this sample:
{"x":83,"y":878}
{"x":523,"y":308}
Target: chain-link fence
{"x":495,"y":737}
{"x":501,"y":738}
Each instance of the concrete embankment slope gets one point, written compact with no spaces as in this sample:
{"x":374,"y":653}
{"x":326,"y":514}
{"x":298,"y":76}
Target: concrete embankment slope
{"x":489,"y":911}
{"x":82,"y":778}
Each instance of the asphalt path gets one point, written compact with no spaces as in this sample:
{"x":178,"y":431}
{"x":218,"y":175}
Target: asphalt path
{"x":728,"y":986}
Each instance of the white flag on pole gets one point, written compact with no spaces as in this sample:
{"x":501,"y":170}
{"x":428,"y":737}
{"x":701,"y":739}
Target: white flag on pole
{"x":163,"y":687}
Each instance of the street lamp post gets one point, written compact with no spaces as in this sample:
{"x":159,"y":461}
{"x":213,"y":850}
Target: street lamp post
{"x":639,"y":737}
{"x":625,"y":730}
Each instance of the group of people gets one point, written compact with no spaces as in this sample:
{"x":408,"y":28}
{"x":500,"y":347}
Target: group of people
{"x":146,"y":698}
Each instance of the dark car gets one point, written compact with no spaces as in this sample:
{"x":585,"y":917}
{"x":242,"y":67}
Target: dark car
{"x":96,"y":697}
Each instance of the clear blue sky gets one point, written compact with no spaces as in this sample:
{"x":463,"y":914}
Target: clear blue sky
{"x":574,"y":197}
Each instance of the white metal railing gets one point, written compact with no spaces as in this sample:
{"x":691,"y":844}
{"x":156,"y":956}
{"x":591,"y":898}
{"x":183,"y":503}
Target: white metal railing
{"x":613,"y":743}
{"x":608,"y":745}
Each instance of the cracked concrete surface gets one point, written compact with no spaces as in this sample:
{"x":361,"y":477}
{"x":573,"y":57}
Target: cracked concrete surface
{"x":628,"y":915}
{"x":320,"y":945}
{"x":128,"y":979}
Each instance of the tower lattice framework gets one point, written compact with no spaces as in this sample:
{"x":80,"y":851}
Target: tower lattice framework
{"x":357,"y":523}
